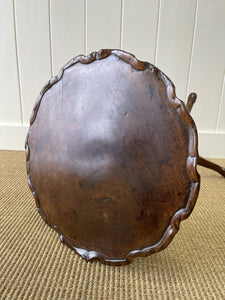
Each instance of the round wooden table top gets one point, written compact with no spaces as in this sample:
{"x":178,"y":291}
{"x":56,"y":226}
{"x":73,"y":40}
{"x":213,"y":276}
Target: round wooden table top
{"x":111,"y":157}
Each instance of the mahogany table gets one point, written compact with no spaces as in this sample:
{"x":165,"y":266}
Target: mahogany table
{"x":111,"y":157}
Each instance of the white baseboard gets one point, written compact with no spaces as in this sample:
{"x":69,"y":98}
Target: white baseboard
{"x":211,"y":144}
{"x":12,"y":137}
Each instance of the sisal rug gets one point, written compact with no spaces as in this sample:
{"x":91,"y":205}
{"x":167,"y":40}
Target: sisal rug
{"x":34,"y":264}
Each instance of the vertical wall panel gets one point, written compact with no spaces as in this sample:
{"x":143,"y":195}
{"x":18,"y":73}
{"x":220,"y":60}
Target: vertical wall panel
{"x":103,"y":24}
{"x":139,"y":28}
{"x":176,"y":26}
{"x":67,"y":31}
{"x":184,"y":38}
{"x":221,"y":116}
{"x":32,"y":24}
{"x":207,"y":67}
{"x":10,"y":99}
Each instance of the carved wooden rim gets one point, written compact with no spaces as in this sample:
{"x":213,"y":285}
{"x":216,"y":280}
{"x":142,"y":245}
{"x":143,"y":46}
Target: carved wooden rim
{"x":191,"y":164}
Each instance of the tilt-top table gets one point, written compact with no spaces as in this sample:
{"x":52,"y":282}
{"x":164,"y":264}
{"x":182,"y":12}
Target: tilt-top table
{"x":112,"y":156}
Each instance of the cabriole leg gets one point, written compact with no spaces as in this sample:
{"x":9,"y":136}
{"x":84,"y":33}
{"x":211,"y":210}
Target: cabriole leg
{"x":202,"y":161}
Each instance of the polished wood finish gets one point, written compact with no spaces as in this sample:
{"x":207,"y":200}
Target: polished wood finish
{"x":210,"y":165}
{"x":111,"y":157}
{"x":191,"y":101}
{"x":202,"y":161}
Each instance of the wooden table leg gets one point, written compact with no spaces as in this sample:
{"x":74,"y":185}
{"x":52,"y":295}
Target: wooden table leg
{"x":202,"y":161}
{"x":190,"y":102}
{"x":210,"y":165}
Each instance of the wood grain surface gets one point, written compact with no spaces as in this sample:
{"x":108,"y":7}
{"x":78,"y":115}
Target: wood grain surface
{"x":111,"y":157}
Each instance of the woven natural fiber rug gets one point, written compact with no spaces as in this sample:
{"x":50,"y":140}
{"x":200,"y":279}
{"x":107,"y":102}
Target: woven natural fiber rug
{"x":34,"y":264}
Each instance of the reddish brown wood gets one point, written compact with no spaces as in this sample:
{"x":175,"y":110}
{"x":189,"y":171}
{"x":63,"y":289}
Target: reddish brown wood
{"x":210,"y":165}
{"x":202,"y":161}
{"x":111,"y":157}
{"x":191,"y":101}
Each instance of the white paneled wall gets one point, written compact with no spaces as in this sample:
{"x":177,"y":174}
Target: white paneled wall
{"x":67,"y":27}
{"x":10,"y":105}
{"x":184,"y":38}
{"x":208,"y":62}
{"x":33,"y":50}
{"x":103,"y":24}
{"x":139,"y":28}
{"x":174,"y":44}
